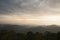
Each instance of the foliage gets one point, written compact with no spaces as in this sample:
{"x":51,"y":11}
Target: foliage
{"x":11,"y":35}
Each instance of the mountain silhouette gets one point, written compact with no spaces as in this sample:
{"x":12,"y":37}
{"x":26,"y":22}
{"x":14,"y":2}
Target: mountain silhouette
{"x":26,"y":28}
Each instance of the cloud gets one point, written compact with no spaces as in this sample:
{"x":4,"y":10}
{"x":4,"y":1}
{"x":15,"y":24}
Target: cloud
{"x":11,"y":6}
{"x":28,"y":11}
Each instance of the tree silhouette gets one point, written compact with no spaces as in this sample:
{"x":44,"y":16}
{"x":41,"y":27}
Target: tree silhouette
{"x":20,"y":36}
{"x":30,"y":36}
{"x":58,"y":36}
{"x":38,"y":36}
{"x":11,"y":35}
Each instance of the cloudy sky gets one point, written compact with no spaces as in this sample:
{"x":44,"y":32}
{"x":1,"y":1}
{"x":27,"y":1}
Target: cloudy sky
{"x":30,"y":12}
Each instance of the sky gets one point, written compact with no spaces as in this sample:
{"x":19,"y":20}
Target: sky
{"x":30,"y":12}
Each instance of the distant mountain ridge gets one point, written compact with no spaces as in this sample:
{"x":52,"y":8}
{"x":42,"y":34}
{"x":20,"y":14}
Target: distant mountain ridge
{"x":26,"y":28}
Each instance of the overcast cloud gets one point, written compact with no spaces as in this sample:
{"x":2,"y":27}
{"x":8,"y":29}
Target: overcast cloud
{"x":11,"y":6}
{"x":29,"y":11}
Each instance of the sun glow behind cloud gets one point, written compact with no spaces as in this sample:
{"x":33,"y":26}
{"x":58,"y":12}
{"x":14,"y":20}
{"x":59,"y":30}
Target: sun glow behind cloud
{"x":31,"y":20}
{"x":51,"y":19}
{"x":30,"y":12}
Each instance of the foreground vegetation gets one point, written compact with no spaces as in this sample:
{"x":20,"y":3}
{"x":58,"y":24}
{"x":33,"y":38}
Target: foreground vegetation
{"x":11,"y":35}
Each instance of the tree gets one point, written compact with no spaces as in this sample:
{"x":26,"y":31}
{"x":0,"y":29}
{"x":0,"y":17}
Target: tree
{"x":58,"y":36}
{"x":21,"y":36}
{"x":10,"y":35}
{"x":29,"y":36}
{"x":38,"y":36}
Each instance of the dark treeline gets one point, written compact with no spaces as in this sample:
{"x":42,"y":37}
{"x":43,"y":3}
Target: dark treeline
{"x":11,"y":35}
